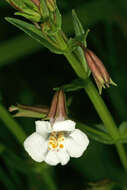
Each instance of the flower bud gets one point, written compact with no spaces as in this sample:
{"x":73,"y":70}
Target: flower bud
{"x":44,"y":10}
{"x":14,"y":5}
{"x":58,"y":107}
{"x":36,"y":2}
{"x":98,"y":70}
{"x":27,"y":8}
{"x":51,"y":5}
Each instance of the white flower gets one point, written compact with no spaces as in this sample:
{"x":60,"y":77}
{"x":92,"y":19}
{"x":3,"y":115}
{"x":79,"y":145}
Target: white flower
{"x":56,"y":144}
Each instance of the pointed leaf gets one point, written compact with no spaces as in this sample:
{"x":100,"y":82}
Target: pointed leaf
{"x":123,"y":132}
{"x":77,"y":24}
{"x":75,"y":85}
{"x":33,"y":32}
{"x":79,"y":32}
{"x":95,"y":134}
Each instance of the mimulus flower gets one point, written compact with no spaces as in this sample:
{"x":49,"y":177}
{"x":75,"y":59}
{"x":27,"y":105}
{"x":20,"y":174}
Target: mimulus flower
{"x":56,"y":140}
{"x":56,"y":143}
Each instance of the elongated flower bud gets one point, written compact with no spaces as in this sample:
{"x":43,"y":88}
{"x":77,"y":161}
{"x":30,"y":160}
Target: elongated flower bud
{"x":29,"y":9}
{"x":98,"y":70}
{"x":58,"y":108}
{"x":52,"y":110}
{"x":36,"y":2}
{"x":51,"y":5}
{"x":14,"y":5}
{"x":61,"y":106}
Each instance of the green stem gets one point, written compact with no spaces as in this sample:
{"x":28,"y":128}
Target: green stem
{"x":122,"y":154}
{"x":106,"y":118}
{"x":103,"y":113}
{"x":11,"y":124}
{"x":97,"y":101}
{"x":101,"y":109}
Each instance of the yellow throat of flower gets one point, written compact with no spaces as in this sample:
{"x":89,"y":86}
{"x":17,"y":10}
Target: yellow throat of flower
{"x":56,"y":141}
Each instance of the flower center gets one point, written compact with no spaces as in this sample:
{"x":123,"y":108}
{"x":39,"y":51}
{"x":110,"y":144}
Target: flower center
{"x":56,"y":141}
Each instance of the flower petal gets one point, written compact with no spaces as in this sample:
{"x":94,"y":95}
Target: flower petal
{"x":67,"y":125}
{"x":51,"y":158}
{"x":63,"y":156}
{"x":43,"y":128}
{"x":80,"y":138}
{"x":74,"y":149}
{"x":36,"y":147}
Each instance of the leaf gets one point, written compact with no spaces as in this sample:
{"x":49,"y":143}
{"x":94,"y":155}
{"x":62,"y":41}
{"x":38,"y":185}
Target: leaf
{"x":79,"y":32}
{"x":35,"y":17}
{"x":123,"y":132}
{"x":33,"y":32}
{"x":75,"y":85}
{"x":95,"y":134}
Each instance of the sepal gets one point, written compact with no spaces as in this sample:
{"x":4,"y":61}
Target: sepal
{"x":28,"y":111}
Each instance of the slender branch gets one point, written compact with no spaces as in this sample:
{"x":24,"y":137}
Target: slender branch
{"x":98,"y":103}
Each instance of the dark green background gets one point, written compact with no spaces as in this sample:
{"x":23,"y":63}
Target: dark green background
{"x":28,"y":73}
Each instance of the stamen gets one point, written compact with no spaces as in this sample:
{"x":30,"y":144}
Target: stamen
{"x":61,"y":145}
{"x":56,"y":141}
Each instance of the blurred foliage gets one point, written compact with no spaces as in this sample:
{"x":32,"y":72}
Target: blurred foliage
{"x":29,"y":72}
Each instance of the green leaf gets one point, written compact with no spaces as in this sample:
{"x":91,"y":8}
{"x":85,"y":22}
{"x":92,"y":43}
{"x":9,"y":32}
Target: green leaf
{"x":123,"y":132}
{"x":77,"y":24}
{"x":58,"y":19}
{"x":35,"y":17}
{"x":96,"y":134}
{"x":75,"y":85}
{"x":33,"y":32}
{"x":79,"y":32}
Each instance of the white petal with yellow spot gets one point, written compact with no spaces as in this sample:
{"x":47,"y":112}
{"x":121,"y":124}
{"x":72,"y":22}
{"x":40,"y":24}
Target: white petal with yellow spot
{"x":56,"y":144}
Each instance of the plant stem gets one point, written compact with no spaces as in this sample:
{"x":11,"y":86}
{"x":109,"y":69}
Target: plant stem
{"x":12,"y":125}
{"x":97,"y":101}
{"x":106,"y":118}
{"x":103,"y":112}
{"x":122,"y":154}
{"x":101,"y":109}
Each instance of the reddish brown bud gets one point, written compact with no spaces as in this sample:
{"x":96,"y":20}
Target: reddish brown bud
{"x":98,"y":70}
{"x":14,"y":5}
{"x":61,"y":106}
{"x":36,"y":2}
{"x":58,"y":108}
{"x":53,"y":106}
